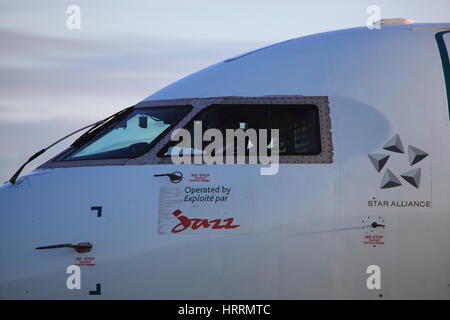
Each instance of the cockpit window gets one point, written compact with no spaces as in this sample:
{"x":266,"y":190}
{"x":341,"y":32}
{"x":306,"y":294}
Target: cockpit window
{"x":298,"y":125}
{"x":132,"y":136}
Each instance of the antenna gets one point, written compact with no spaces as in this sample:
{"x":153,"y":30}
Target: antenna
{"x":394,"y":21}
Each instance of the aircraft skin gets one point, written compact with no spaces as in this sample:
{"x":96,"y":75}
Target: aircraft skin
{"x":308,"y":234}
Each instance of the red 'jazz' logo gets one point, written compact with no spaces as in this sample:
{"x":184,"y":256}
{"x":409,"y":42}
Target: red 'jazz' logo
{"x":194,"y":224}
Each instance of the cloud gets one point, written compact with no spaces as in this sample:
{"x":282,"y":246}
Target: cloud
{"x":66,"y":73}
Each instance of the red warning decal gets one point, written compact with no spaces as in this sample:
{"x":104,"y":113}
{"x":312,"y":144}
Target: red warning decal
{"x":374,"y":239}
{"x":85,"y":261}
{"x":199,"y":177}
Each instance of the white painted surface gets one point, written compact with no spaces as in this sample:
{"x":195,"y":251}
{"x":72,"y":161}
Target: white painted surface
{"x":307,"y":239}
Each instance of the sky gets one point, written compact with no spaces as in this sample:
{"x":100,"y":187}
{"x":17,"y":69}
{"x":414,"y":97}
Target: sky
{"x":54,"y":80}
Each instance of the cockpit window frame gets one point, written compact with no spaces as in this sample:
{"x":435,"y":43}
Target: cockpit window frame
{"x":249,"y":107}
{"x":153,"y":156}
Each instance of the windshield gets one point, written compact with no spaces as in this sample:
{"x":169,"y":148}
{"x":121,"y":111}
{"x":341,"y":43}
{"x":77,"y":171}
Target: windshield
{"x":132,"y":136}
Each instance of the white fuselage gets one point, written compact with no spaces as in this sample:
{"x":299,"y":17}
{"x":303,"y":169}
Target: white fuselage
{"x":307,"y":232}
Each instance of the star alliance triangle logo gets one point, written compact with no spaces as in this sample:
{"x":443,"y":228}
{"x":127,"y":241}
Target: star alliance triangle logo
{"x":395,"y":148}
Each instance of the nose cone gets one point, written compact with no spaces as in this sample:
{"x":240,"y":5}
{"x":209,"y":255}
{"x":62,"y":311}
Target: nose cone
{"x":20,"y":213}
